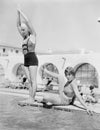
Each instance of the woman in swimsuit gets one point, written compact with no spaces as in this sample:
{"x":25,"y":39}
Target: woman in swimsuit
{"x":28,"y":47}
{"x":67,"y":91}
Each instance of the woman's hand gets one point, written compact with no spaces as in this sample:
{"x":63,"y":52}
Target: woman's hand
{"x":89,"y":111}
{"x":18,"y":8}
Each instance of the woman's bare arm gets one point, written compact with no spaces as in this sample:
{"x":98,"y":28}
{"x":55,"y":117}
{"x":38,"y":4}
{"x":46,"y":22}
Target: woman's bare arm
{"x":19,"y":22}
{"x":74,"y":86}
{"x":60,"y":80}
{"x":55,"y":75}
{"x":28,"y":23}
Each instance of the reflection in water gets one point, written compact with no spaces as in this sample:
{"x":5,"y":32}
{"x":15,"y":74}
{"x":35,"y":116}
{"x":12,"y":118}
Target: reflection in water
{"x":14,"y":117}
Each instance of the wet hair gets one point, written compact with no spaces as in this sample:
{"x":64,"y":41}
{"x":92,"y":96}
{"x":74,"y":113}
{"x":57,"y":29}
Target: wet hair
{"x":69,"y":70}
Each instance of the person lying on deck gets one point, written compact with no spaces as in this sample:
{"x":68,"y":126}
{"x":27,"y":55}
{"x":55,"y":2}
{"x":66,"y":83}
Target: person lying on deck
{"x":67,"y":91}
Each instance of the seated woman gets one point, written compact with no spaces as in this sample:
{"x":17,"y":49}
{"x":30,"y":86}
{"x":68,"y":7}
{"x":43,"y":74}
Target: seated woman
{"x":67,"y":91}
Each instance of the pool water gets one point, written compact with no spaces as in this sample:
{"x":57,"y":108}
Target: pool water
{"x":15,"y":117}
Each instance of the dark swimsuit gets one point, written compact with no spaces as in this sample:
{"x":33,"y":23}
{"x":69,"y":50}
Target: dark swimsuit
{"x":30,"y":58}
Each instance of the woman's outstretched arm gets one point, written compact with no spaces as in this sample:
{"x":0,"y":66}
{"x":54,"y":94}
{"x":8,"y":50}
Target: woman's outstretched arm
{"x":60,"y":80}
{"x":55,"y":75}
{"x":28,"y":23}
{"x":19,"y":22}
{"x":76,"y":91}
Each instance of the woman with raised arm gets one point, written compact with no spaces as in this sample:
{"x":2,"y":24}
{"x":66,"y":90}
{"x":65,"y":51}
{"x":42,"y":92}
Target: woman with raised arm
{"x":67,"y":91}
{"x":28,"y":47}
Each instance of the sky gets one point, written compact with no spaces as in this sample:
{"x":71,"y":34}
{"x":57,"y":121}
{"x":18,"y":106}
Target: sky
{"x":60,"y":24}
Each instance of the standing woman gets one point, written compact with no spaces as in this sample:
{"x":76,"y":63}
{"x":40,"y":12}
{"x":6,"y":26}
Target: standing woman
{"x":28,"y":47}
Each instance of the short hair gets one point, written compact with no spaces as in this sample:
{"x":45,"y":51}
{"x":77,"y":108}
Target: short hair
{"x":69,"y":70}
{"x":24,"y":23}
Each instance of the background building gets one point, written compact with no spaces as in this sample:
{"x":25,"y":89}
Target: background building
{"x":85,"y":63}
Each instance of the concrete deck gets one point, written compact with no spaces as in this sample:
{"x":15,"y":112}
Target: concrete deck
{"x":24,"y":93}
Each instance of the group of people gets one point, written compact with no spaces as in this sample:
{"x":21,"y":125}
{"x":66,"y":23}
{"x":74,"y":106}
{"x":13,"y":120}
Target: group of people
{"x":67,"y":91}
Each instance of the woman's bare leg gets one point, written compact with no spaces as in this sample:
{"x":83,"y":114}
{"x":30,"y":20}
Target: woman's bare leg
{"x":26,"y":70}
{"x":33,"y":81}
{"x":53,"y":99}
